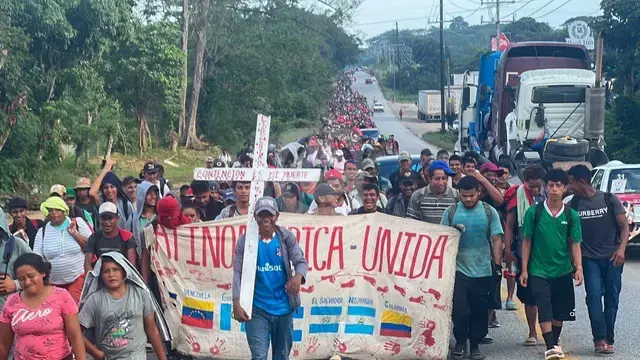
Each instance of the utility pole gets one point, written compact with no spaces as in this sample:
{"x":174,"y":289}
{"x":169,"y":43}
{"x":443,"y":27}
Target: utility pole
{"x":398,"y":55}
{"x":442,"y":119}
{"x":498,"y":23}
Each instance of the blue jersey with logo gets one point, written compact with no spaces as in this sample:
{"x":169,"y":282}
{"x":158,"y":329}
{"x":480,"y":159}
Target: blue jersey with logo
{"x":269,"y":292}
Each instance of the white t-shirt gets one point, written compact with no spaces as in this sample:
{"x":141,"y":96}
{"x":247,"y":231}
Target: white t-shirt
{"x":62,"y":251}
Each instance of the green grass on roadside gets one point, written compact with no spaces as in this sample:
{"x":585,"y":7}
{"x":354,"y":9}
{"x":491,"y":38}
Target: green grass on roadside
{"x":444,"y":140}
{"x":403,"y":98}
{"x":292,"y":134}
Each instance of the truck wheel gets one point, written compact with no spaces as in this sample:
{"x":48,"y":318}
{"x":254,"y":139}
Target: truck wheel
{"x":552,"y":158}
{"x":560,"y":148}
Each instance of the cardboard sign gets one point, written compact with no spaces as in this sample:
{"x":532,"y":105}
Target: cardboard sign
{"x":378,"y":287}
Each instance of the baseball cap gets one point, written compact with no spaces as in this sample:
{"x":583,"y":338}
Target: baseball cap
{"x":214,"y":186}
{"x":324,"y":190}
{"x":290,"y":188}
{"x":108,"y":207}
{"x":209,"y":159}
{"x":266,"y":203}
{"x":229,"y":194}
{"x":70,"y":193}
{"x":491,"y":167}
{"x":83,"y":183}
{"x":58,"y":189}
{"x":130,"y":179}
{"x":17,"y":203}
{"x":404,"y":156}
{"x":408,"y":176}
{"x":368,"y":164}
{"x":441,"y":165}
{"x":150,"y":167}
{"x":332,"y":174}
{"x":339,"y":153}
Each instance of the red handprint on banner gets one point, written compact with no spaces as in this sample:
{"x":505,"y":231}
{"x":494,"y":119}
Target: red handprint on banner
{"x":441,"y":307}
{"x":392,"y":347}
{"x":436,"y":294}
{"x":382,"y":289}
{"x":402,"y":291}
{"x":296,"y":350}
{"x":348,"y":284}
{"x":427,"y":335}
{"x":224,"y":286}
{"x":312,"y":345}
{"x":307,"y":290}
{"x":419,"y":351}
{"x":218,"y":347}
{"x":417,"y":300}
{"x":195,"y":347}
{"x":369,"y":279}
{"x":342,"y":347}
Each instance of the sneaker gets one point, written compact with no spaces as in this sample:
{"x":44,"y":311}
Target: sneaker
{"x":476,"y":354}
{"x":554,"y":354}
{"x":494,"y":324}
{"x":459,"y":351}
{"x":603,"y":348}
{"x":511,"y":306}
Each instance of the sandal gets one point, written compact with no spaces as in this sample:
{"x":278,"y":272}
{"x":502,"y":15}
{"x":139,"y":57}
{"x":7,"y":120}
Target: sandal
{"x":531,"y":341}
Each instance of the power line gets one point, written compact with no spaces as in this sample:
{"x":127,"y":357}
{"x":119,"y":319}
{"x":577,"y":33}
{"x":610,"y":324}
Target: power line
{"x":561,"y":5}
{"x":543,"y":6}
{"x":459,"y":7}
{"x":520,"y":8}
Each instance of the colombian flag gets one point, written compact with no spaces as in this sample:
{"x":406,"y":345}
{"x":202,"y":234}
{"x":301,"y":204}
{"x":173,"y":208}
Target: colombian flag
{"x":395,"y":324}
{"x":197,"y":313}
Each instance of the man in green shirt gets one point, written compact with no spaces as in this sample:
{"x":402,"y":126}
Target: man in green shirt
{"x":551,"y":257}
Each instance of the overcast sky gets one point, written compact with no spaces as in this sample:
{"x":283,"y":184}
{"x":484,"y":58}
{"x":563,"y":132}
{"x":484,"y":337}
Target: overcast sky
{"x":377,"y":16}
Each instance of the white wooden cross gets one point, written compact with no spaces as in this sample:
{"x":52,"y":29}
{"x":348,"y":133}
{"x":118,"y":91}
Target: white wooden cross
{"x":257,"y":175}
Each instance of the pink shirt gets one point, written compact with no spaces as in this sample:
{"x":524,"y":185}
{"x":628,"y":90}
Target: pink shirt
{"x":40,"y":333}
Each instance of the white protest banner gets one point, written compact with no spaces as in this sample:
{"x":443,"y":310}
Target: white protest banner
{"x":378,"y":287}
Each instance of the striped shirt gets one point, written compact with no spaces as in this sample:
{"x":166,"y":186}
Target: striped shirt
{"x":428,"y":207}
{"x":62,"y":251}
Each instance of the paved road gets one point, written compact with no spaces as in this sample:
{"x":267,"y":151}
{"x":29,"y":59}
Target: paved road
{"x":387,"y":122}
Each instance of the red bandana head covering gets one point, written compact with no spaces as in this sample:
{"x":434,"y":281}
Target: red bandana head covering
{"x":169,"y":214}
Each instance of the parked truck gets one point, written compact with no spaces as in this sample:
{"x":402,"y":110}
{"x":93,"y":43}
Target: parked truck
{"x":429,"y":103}
{"x":546,"y":106}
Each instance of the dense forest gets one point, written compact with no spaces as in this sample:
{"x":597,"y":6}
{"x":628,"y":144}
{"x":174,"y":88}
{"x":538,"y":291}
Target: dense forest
{"x":79,"y":78}
{"x":418,"y":66}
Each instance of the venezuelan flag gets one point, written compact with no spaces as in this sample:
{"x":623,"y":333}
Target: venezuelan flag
{"x":197,"y":313}
{"x":395,"y":324}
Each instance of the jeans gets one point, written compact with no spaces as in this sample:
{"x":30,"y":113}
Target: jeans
{"x":264,"y":328}
{"x":601,"y":278}
{"x":470,"y":308}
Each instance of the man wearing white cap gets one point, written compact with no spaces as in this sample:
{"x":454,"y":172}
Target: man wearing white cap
{"x":109,"y":238}
{"x":277,"y":290}
{"x":339,"y":161}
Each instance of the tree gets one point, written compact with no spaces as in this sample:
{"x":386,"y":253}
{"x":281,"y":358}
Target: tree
{"x":145,"y":73}
{"x":184,"y":80}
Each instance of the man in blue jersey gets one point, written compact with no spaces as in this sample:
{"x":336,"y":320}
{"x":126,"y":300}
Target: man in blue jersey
{"x":276,"y":292}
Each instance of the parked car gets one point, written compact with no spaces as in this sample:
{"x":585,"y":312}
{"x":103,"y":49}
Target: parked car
{"x":378,"y":107}
{"x":623,"y":180}
{"x":368,"y":81}
{"x":389,"y":164}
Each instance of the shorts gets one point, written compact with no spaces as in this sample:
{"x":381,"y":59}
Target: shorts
{"x":524,"y":294}
{"x":554,"y":297}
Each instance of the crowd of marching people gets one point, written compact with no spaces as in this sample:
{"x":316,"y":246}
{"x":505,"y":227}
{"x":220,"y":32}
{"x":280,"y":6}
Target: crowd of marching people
{"x":93,"y":238}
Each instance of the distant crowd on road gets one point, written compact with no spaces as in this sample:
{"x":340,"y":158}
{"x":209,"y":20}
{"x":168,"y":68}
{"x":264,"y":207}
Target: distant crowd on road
{"x":93,"y":238}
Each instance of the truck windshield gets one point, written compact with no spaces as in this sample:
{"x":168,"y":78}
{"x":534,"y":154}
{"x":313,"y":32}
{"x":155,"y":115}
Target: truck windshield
{"x":624,"y":181}
{"x":372,"y":133}
{"x":558,"y":94}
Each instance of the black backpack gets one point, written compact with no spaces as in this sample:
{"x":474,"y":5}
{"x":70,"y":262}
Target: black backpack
{"x":8,"y":251}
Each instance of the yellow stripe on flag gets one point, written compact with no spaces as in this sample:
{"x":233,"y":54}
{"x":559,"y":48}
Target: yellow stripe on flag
{"x":394,"y":317}
{"x":198,"y":304}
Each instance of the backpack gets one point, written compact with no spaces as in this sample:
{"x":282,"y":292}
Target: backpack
{"x":8,"y":251}
{"x":163,"y":183}
{"x":608,"y":203}
{"x":125,"y":235}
